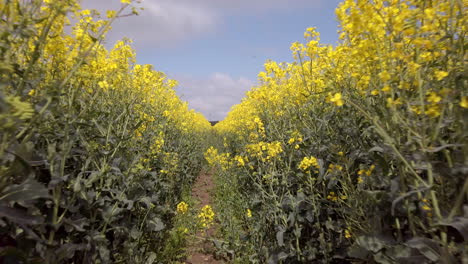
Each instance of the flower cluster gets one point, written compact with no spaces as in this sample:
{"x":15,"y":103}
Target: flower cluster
{"x":308,"y":162}
{"x":206,"y":216}
{"x":296,"y":139}
{"x":388,"y":93}
{"x":182,"y":207}
{"x":265,"y":151}
{"x":366,"y":172}
{"x":224,"y":160}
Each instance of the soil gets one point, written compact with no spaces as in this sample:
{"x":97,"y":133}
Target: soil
{"x":201,"y":249}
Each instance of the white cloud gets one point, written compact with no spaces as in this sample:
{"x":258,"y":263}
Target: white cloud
{"x":166,"y":23}
{"x":161,"y":23}
{"x":250,"y":5}
{"x":213,"y":96}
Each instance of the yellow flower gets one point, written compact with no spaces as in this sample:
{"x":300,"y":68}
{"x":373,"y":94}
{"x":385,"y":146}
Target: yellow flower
{"x":182,"y":207}
{"x":334,"y":167}
{"x":111,"y":13}
{"x":384,"y":76}
{"x":426,"y":208}
{"x":430,"y":13}
{"x":440,"y":75}
{"x":386,"y":88}
{"x":126,"y":1}
{"x":103,"y":84}
{"x":433,"y":111}
{"x":240,"y":160}
{"x":249,"y":213}
{"x":32,"y":92}
{"x":360,"y":180}
{"x":86,"y":12}
{"x":336,"y":99}
{"x":366,"y":172}
{"x":464,"y":102}
{"x":296,"y":46}
{"x":425,"y":205}
{"x":206,"y":216}
{"x":391,"y":102}
{"x":375,"y":92}
{"x":347,"y":233}
{"x":341,"y":153}
{"x":332,"y":197}
{"x":307,"y":162}
{"x":433,"y":98}
{"x":259,"y":150}
{"x":416,"y":109}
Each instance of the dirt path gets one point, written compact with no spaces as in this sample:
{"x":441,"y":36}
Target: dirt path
{"x":201,"y":250}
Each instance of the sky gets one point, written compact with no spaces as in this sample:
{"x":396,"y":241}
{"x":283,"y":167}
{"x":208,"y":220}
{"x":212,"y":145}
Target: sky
{"x":216,"y":48}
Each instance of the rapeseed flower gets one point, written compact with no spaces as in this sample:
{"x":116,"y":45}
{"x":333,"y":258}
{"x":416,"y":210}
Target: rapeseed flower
{"x":308,"y":162}
{"x":433,"y":98}
{"x":249,"y":213}
{"x":433,"y":111}
{"x":385,"y":76}
{"x":347,"y":233}
{"x":182,"y":208}
{"x":206,"y":216}
{"x":440,"y":75}
{"x":336,"y":99}
{"x":464,"y":102}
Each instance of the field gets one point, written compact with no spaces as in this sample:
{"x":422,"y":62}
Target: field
{"x":353,"y":153}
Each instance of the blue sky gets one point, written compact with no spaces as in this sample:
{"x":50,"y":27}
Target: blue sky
{"x":216,"y":48}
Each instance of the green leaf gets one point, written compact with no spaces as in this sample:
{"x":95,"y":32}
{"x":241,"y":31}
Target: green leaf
{"x":77,"y":184}
{"x":146,"y":201}
{"x":371,"y":243}
{"x":20,"y":216}
{"x":28,"y":190}
{"x":425,"y":246}
{"x":95,"y":175}
{"x":151,"y":258}
{"x":376,"y":149}
{"x":77,"y":224}
{"x":460,"y":224}
{"x":156,"y":224}
{"x":135,"y":233}
{"x":67,"y":251}
{"x":280,"y":237}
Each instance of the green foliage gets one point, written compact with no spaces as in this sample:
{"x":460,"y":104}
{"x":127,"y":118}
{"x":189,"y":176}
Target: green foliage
{"x":373,"y":162}
{"x":87,"y":170}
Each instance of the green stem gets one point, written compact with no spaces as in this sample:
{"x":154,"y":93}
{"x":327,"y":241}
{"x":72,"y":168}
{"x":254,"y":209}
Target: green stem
{"x":459,"y":200}
{"x":389,"y":140}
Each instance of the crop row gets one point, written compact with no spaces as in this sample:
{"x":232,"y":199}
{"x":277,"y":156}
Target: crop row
{"x":95,"y":150}
{"x":356,"y":152}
